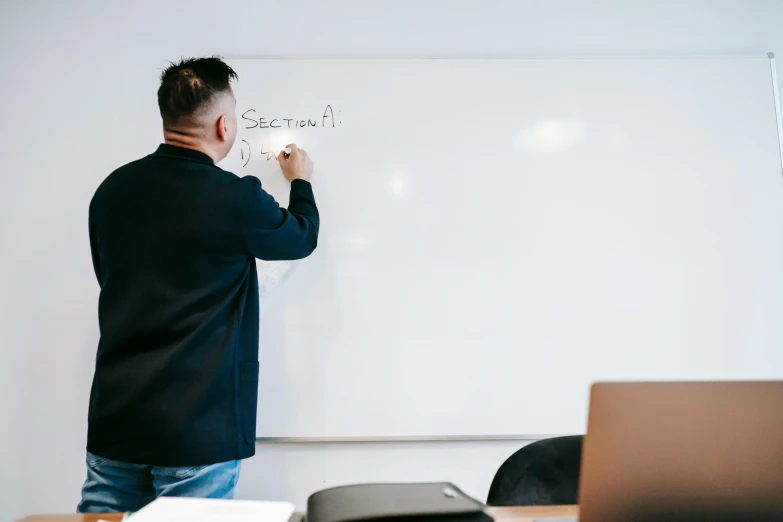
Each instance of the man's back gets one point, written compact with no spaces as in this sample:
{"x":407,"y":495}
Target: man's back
{"x":173,"y":241}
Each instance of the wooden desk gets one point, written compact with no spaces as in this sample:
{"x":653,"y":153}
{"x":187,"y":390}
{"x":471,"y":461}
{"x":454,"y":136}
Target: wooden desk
{"x":530,"y":513}
{"x":500,"y":514}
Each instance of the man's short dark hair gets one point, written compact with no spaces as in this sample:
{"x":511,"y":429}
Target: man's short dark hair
{"x":190,"y":85}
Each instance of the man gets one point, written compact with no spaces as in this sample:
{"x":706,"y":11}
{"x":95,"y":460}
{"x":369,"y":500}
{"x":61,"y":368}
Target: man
{"x":174,"y":240}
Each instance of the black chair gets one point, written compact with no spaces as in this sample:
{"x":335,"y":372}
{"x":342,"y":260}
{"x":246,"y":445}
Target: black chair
{"x":544,"y":473}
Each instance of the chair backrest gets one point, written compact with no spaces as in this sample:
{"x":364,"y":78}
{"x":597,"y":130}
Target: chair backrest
{"x":544,"y":473}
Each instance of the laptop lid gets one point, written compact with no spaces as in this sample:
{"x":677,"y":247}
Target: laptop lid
{"x":683,"y":451}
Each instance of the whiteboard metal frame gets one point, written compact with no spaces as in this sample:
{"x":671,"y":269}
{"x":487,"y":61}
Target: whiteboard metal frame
{"x":494,"y":438}
{"x":776,"y":96}
{"x":403,"y":439}
{"x":511,"y":56}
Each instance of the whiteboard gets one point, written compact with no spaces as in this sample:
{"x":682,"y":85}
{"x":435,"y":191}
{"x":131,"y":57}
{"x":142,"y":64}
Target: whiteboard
{"x":498,"y":234}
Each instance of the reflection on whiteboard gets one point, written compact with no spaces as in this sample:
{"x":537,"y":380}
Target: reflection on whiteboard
{"x":270,"y":273}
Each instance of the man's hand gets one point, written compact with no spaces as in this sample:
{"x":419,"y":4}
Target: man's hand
{"x":296,"y":165}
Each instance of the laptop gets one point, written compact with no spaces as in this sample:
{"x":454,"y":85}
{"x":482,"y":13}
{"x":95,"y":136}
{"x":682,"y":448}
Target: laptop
{"x":683,"y":451}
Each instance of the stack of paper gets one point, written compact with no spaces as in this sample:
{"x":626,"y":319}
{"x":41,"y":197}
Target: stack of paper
{"x":177,"y":509}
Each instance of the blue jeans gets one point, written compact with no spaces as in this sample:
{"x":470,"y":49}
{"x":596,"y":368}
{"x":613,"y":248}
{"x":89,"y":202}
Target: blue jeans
{"x":113,"y":486}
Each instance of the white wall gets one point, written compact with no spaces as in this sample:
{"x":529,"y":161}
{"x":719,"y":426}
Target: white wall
{"x":79,"y":69}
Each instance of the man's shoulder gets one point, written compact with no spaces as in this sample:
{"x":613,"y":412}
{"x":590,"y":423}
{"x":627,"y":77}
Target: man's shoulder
{"x":115,"y":177}
{"x":143,"y":170}
{"x":163,"y":164}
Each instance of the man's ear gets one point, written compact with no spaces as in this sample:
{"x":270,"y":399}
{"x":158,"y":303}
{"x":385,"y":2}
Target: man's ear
{"x":222,"y":128}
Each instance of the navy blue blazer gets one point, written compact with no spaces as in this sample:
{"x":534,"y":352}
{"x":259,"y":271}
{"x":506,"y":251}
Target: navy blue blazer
{"x":174,"y":240}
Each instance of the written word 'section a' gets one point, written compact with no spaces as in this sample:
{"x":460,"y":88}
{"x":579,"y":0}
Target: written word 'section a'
{"x":329,"y":119}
